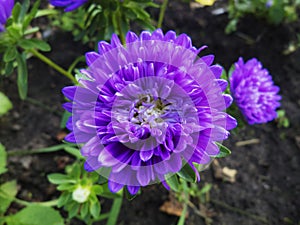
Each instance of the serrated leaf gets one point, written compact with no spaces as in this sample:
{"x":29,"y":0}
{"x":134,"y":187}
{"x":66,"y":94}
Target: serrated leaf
{"x":34,"y":44}
{"x":3,"y":155}
{"x":22,"y":80}
{"x":8,"y":191}
{"x":173,"y":182}
{"x":5,"y":106}
{"x":224,"y":151}
{"x":187,"y":173}
{"x":37,"y":215}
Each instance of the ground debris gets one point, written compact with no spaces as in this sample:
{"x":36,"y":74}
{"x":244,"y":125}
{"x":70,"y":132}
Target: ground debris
{"x":172,"y":207}
{"x":225,"y":173}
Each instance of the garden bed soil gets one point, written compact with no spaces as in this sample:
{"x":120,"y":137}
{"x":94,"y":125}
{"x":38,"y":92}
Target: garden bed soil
{"x":267,"y":185}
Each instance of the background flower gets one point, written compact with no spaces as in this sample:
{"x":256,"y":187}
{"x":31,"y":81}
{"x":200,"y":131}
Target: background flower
{"x":254,"y":91}
{"x":69,"y":4}
{"x":6,"y":7}
{"x":144,"y":110}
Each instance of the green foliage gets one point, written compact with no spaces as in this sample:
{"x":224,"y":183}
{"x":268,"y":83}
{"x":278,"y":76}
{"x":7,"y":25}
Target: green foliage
{"x":8,"y":192}
{"x":36,"y":215}
{"x":282,"y":120}
{"x":5,"y":106}
{"x":14,"y":41}
{"x":3,"y":158}
{"x":80,"y":191}
{"x":224,"y":151}
{"x":274,"y":11}
{"x":98,"y":21}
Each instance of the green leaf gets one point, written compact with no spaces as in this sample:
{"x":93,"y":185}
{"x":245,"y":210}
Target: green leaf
{"x":36,"y":215}
{"x":14,"y":32}
{"x":95,"y":209}
{"x":187,"y":173}
{"x":5,"y":105}
{"x":224,"y":151}
{"x":173,"y":182}
{"x":22,"y":80}
{"x":3,"y":155}
{"x":64,"y":119}
{"x":64,"y":198}
{"x":8,"y":191}
{"x":31,"y":14}
{"x":107,"y":194}
{"x":65,"y":187}
{"x":74,"y":151}
{"x":24,"y":9}
{"x":34,"y":43}
{"x":97,"y":189}
{"x":16,"y":12}
{"x":10,"y":54}
{"x":9,"y":67}
{"x":205,"y":189}
{"x":58,"y":178}
{"x":73,"y":209}
{"x":84,"y":210}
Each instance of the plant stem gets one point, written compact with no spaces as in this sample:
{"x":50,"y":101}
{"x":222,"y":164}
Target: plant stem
{"x":242,"y":212}
{"x":53,"y":65}
{"x":40,"y":150}
{"x":114,"y":211}
{"x":47,"y":203}
{"x":119,"y":26}
{"x":43,"y":106}
{"x":162,"y":13}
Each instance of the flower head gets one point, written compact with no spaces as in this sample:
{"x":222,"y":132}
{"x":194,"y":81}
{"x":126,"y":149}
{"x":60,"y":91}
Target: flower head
{"x":81,"y":194}
{"x":69,"y":4}
{"x":6,"y":7}
{"x":254,"y":91}
{"x":145,"y":109}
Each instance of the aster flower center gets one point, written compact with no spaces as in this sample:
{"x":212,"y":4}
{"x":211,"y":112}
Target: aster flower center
{"x":148,"y":111}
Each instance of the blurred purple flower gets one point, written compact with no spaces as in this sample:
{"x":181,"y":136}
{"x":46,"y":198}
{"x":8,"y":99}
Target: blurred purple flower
{"x":254,"y":92}
{"x":269,"y":3}
{"x":69,"y":4}
{"x":6,"y":7}
{"x":144,"y":109}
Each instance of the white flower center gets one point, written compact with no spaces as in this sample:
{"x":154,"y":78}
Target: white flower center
{"x":81,"y":194}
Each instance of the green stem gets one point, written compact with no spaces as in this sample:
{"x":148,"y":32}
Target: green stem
{"x":34,"y":151}
{"x":119,"y":26}
{"x":114,"y":211}
{"x":47,"y":203}
{"x":43,"y":106}
{"x":53,"y":65}
{"x":183,"y":215}
{"x":162,"y":13}
{"x":242,"y":212}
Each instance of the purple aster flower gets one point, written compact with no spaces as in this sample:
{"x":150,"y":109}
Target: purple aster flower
{"x":254,"y":91}
{"x":69,"y":4}
{"x":143,"y":110}
{"x":6,"y":7}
